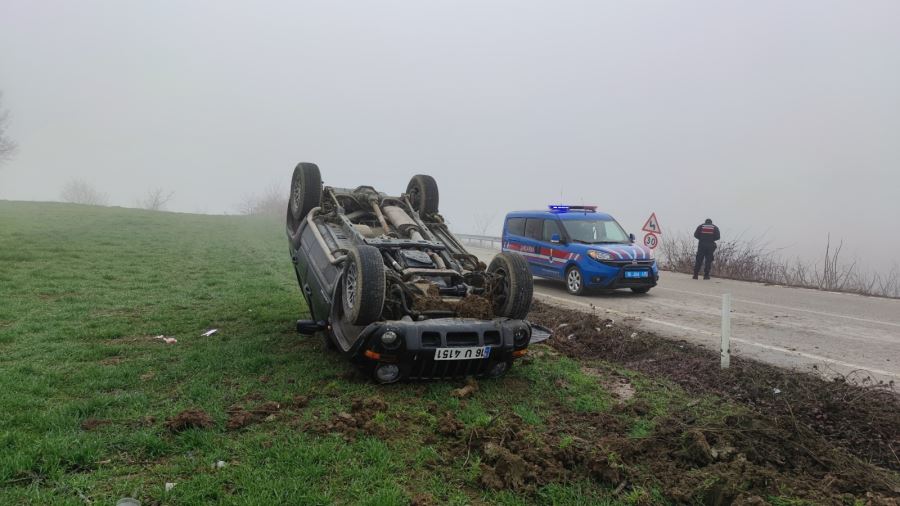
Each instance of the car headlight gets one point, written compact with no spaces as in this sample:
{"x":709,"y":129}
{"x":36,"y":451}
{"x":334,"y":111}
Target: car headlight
{"x":599,"y":255}
{"x":390,"y":338}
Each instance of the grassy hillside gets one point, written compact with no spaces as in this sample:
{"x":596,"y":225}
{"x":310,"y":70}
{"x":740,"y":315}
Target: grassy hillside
{"x":90,"y":401}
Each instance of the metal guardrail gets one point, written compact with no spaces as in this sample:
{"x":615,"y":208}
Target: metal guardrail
{"x":480,"y":240}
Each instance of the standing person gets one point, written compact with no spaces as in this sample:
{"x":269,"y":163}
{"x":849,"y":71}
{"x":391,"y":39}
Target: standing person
{"x":706,"y":235}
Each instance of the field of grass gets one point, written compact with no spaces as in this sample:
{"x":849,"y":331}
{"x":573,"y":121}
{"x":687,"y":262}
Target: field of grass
{"x":86,"y":391}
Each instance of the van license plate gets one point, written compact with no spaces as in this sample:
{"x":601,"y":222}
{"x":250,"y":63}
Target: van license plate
{"x":636,"y":274}
{"x":473,"y":352}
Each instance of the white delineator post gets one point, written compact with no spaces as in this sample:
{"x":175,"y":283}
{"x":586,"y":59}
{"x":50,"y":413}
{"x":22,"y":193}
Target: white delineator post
{"x":726,"y":330}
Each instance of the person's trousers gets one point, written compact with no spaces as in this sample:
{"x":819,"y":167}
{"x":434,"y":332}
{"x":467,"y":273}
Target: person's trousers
{"x":705,"y":258}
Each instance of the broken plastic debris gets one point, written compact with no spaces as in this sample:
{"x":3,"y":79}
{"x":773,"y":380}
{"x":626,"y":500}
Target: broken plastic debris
{"x":633,"y":335}
{"x":167,"y":340}
{"x":169,"y":486}
{"x":776,"y":391}
{"x":209,"y":332}
{"x":220,"y":464}
{"x":128,"y":501}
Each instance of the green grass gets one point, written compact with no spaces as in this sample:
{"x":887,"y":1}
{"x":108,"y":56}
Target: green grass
{"x":83,"y":290}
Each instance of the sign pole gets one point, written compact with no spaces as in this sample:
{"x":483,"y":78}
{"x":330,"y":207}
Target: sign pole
{"x":726,"y":330}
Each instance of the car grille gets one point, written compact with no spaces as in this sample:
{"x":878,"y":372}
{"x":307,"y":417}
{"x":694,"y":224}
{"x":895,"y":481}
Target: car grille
{"x":626,"y":263}
{"x":425,"y":367}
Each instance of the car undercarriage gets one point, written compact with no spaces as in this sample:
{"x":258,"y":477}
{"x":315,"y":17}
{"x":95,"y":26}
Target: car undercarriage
{"x":391,"y":286}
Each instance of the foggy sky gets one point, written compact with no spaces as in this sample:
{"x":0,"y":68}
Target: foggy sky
{"x":775,"y":117}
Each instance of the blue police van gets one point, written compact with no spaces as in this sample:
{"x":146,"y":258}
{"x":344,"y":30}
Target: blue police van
{"x":585,"y":248}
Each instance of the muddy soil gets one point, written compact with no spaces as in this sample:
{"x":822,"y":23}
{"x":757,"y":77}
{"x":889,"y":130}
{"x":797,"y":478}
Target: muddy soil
{"x":357,"y":422}
{"x":738,"y":461}
{"x":863,"y":420}
{"x":188,"y":419}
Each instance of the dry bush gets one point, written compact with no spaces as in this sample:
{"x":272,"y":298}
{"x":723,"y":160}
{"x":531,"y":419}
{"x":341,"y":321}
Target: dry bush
{"x":753,"y":260}
{"x":156,"y":199}
{"x":77,"y":191}
{"x":271,"y":202}
{"x":8,"y":147}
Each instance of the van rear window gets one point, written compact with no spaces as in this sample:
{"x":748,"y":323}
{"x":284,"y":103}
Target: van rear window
{"x":515,"y":226}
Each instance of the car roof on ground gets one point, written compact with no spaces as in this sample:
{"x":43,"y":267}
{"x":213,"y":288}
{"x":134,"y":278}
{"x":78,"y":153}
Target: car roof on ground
{"x":569,"y":215}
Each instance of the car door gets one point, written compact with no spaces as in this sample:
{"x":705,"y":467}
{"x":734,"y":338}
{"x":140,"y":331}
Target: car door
{"x":540,"y":257}
{"x":556,"y":251}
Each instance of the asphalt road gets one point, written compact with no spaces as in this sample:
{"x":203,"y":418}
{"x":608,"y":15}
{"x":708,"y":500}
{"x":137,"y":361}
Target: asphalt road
{"x":835,"y":333}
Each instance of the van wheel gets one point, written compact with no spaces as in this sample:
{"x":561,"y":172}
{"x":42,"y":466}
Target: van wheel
{"x":643,"y":289}
{"x":363,"y":285}
{"x":306,"y":193}
{"x":574,"y":281}
{"x":513,"y":287}
{"x":423,"y":194}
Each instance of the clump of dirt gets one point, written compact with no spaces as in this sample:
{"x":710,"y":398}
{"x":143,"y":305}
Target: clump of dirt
{"x":432,"y":300}
{"x":239,"y":418}
{"x":858,"y":418}
{"x":475,"y":306}
{"x":188,"y":419}
{"x":93,"y":423}
{"x":360,"y":419}
{"x":470,"y":388}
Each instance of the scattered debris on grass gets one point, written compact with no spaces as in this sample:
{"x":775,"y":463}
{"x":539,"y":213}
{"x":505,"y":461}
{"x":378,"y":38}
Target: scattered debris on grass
{"x":188,"y":419}
{"x":167,"y":340}
{"x":169,"y":486}
{"x":209,"y":332}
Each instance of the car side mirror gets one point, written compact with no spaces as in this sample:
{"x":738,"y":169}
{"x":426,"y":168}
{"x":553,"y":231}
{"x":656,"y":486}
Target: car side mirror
{"x":555,"y":239}
{"x":631,"y":236}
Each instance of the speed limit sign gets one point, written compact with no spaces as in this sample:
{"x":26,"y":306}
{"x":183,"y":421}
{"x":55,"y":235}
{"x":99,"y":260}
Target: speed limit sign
{"x":651,"y":241}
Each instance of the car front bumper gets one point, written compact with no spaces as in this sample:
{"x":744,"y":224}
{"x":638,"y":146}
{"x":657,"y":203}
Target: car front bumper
{"x":414,"y":352}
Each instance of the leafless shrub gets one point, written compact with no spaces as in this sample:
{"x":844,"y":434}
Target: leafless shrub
{"x":753,"y":260}
{"x":483,"y":222}
{"x":77,"y":191}
{"x":271,"y":202}
{"x":8,"y":147}
{"x":156,"y":199}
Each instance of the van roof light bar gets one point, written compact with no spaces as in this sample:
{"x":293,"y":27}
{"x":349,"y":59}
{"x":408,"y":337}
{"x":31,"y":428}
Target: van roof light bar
{"x":561,"y":208}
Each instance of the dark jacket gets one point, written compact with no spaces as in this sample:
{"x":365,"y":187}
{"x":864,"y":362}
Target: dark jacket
{"x":707,"y":234}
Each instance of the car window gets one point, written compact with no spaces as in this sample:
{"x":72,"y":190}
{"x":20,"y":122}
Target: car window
{"x":515,"y":226}
{"x":596,"y":231}
{"x":551,"y":228}
{"x":534,"y":228}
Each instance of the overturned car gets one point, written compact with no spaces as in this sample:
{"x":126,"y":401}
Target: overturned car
{"x":394,"y":290}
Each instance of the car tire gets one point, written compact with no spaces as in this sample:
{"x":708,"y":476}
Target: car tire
{"x":362,"y":295}
{"x":643,"y":289}
{"x":306,"y":193}
{"x":512,"y":293}
{"x":423,"y":195}
{"x":574,"y":281}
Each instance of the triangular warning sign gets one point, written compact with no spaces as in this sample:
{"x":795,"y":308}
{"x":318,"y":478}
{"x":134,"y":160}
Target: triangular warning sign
{"x":652,"y":225}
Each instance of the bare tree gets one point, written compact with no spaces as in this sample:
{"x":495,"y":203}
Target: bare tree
{"x":156,"y":199}
{"x":77,"y":191}
{"x":271,"y":202}
{"x":8,"y":147}
{"x":483,"y":222}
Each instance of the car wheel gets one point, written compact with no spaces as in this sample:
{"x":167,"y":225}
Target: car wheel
{"x":363,"y":285}
{"x":643,"y":289}
{"x":423,"y":194}
{"x":513,"y":287}
{"x":306,"y":193}
{"x":574,"y":281}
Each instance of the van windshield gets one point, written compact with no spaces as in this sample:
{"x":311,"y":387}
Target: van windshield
{"x":596,"y":232}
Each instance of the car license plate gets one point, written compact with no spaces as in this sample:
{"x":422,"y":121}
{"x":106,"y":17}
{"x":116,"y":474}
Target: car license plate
{"x":473,"y":352}
{"x":636,"y":274}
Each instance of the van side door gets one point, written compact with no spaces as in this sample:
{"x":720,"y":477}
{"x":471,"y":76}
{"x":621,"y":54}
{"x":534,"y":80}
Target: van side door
{"x":557,"y":254}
